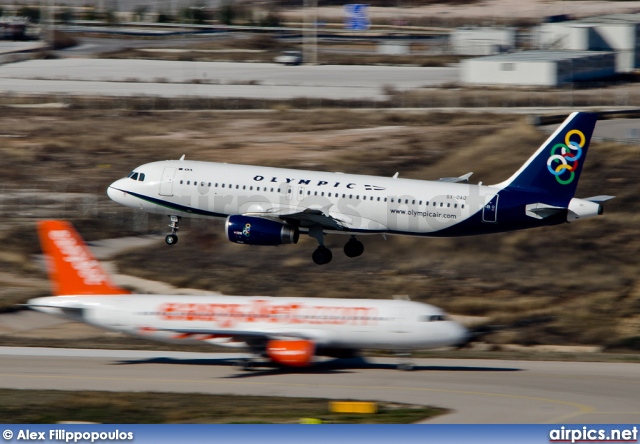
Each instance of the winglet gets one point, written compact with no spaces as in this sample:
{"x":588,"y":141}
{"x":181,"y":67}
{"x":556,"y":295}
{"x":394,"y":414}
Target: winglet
{"x":73,"y":270}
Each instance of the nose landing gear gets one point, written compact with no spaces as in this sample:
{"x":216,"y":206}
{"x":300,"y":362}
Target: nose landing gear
{"x":172,"y":238}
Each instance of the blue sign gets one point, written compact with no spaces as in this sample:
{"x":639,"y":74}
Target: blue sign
{"x":356,"y":17}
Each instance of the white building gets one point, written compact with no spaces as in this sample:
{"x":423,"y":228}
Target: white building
{"x":482,"y":41}
{"x":538,"y":68}
{"x":617,"y":32}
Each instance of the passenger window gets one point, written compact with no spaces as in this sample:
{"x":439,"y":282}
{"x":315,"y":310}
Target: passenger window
{"x":188,"y":182}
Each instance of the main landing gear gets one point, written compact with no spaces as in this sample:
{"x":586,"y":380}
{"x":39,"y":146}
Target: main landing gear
{"x":172,"y":238}
{"x":405,"y":363}
{"x":322,"y":255}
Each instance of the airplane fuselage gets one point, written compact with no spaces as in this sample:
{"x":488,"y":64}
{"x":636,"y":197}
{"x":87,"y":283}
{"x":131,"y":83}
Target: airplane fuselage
{"x":362,"y":204}
{"x":329,"y":323}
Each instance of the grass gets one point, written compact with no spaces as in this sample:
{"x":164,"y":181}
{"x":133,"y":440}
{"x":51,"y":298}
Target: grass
{"x":570,"y":284}
{"x":51,"y":406}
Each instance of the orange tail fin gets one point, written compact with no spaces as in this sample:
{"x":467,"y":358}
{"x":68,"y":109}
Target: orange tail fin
{"x":73,"y":270}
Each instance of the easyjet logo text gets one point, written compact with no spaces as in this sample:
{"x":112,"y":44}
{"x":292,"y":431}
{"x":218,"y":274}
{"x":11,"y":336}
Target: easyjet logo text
{"x":76,"y":255}
{"x":228,"y":315}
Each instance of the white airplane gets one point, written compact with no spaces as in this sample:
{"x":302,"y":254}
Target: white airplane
{"x":272,"y":206}
{"x":288,"y":331}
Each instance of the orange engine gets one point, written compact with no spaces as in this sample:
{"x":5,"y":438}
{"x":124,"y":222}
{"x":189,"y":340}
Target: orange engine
{"x":294,"y":353}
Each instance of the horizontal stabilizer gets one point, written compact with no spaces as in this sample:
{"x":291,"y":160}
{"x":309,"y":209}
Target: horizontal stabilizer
{"x":598,"y":199}
{"x":542,"y":211}
{"x":463,"y":178}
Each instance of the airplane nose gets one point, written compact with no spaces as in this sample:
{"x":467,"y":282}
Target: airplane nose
{"x":115,"y":191}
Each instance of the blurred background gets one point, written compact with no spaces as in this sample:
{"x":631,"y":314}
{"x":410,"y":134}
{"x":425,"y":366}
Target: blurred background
{"x":91,"y":89}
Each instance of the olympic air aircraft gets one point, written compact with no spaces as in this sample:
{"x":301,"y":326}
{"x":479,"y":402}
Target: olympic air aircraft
{"x":288,"y":331}
{"x":272,"y":206}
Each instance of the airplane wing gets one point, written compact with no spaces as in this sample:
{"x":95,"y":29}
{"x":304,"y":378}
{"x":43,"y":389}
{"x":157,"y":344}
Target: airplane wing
{"x":306,"y":218}
{"x":233,"y":337}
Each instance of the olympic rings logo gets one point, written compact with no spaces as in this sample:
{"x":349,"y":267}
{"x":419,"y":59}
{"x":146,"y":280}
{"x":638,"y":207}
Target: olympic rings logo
{"x":567,"y":160}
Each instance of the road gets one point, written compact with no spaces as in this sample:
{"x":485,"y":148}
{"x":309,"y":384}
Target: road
{"x":213,"y":79}
{"x":478,"y":391}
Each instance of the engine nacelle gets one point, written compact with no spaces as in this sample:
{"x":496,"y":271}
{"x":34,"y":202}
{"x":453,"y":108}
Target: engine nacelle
{"x":258,"y":231}
{"x":582,"y":209}
{"x":293,"y":353}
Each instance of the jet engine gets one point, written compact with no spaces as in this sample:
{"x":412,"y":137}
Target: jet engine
{"x":291,"y":352}
{"x":259,"y":231}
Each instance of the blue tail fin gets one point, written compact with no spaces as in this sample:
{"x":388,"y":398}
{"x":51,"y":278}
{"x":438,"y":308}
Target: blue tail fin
{"x":555,"y":167}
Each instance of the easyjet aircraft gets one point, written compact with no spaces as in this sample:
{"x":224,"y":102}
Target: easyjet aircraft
{"x":272,"y":206}
{"x":288,"y":331}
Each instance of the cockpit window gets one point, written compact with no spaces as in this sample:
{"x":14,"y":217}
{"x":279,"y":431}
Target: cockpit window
{"x":136,"y":176}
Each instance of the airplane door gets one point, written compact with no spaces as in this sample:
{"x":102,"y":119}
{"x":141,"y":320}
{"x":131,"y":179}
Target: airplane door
{"x":166,"y":184}
{"x":300,"y":193}
{"x":490,"y":210}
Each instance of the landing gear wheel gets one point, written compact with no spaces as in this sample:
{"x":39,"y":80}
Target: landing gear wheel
{"x":405,"y":366}
{"x":322,"y":255}
{"x":248,"y":365}
{"x":353,"y":248}
{"x":171,"y":239}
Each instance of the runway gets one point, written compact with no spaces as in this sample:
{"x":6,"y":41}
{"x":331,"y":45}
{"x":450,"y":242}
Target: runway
{"x":477,"y":391}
